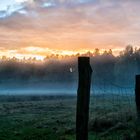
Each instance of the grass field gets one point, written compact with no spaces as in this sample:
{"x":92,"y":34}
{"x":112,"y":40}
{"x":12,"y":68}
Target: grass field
{"x":53,"y":118}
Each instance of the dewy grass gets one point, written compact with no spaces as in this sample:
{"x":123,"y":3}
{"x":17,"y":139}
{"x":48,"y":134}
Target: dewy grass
{"x":54,"y":119}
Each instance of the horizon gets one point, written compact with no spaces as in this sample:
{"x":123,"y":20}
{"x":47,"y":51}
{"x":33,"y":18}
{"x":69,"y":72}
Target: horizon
{"x":69,"y":54}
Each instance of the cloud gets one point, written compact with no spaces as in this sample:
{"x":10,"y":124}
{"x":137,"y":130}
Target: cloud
{"x":21,"y":1}
{"x":3,"y":14}
{"x":70,"y":24}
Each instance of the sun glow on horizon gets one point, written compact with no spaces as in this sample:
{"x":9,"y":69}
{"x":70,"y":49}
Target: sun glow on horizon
{"x":39,"y":53}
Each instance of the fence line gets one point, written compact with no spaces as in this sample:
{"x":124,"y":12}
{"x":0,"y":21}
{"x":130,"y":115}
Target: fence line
{"x":112,"y":103}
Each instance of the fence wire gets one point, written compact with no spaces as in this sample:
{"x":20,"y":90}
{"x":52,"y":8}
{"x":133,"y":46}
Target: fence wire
{"x":112,"y":111}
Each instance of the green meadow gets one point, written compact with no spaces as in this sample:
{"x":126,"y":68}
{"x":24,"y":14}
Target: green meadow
{"x":53,"y":118}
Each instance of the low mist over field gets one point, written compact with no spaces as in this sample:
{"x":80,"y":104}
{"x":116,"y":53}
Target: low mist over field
{"x":55,"y":75}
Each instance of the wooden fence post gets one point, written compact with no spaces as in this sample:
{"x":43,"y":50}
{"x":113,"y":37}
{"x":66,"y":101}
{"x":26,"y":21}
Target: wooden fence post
{"x":137,"y":94}
{"x":83,"y":98}
{"x":137,"y":99}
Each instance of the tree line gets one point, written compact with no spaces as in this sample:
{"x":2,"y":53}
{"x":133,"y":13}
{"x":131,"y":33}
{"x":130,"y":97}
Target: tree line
{"x":107,"y":69}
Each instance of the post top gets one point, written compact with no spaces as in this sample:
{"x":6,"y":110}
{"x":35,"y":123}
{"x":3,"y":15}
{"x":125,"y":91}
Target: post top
{"x":83,"y":58}
{"x":84,"y":63}
{"x":137,"y":76}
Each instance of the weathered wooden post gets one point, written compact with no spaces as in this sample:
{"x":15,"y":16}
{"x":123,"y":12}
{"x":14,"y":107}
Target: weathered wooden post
{"x":137,"y":98}
{"x":83,"y":98}
{"x":137,"y":94}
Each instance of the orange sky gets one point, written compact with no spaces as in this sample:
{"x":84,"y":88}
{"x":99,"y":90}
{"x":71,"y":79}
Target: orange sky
{"x":37,"y":28}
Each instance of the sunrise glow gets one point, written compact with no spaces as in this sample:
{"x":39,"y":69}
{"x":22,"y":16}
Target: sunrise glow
{"x":37,"y":29}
